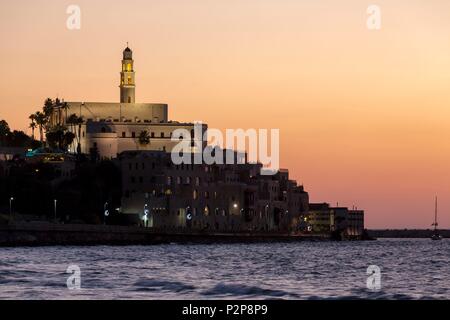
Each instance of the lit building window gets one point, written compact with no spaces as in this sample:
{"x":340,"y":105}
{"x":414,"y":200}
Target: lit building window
{"x":195,"y":194}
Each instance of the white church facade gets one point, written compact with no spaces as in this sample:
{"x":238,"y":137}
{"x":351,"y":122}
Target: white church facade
{"x":112,"y":128}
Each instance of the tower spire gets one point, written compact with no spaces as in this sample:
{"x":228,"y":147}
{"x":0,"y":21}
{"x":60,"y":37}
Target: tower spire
{"x":127,"y":76}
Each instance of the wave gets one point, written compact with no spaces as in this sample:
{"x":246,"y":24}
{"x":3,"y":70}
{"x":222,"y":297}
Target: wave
{"x":155,"y":285}
{"x":243,"y":290}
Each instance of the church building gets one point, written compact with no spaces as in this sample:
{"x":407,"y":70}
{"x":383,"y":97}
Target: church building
{"x":110,"y":128}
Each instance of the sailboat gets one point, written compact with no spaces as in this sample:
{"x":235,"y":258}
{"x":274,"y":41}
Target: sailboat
{"x":436,"y":235}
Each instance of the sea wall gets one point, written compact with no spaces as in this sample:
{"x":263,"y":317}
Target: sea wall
{"x":55,"y":234}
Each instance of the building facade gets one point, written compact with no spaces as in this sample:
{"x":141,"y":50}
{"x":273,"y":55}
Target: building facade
{"x":219,"y":198}
{"x":322,"y":218}
{"x":111,"y":128}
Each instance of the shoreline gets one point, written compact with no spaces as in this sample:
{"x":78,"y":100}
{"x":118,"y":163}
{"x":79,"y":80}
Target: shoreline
{"x":33,"y":235}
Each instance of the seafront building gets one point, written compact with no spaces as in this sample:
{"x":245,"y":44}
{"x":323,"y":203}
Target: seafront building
{"x":209,"y":197}
{"x":156,"y":193}
{"x":322,"y":218}
{"x":110,"y":128}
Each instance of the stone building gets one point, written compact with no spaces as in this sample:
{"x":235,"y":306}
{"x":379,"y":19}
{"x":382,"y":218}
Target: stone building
{"x":324,"y":219}
{"x":111,"y":128}
{"x":219,"y":197}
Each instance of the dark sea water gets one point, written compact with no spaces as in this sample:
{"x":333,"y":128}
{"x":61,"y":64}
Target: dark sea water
{"x":411,"y":269}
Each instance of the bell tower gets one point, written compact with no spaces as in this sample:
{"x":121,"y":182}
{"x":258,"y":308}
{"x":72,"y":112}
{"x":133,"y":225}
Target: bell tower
{"x":127,"y":84}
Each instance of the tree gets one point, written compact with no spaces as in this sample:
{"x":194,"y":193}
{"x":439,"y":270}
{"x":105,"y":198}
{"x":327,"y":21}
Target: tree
{"x":74,"y":121}
{"x":48,"y":107}
{"x":55,"y":137}
{"x":41,"y":122}
{"x":5,"y":131}
{"x":32,"y":124}
{"x":60,"y":137}
{"x":19,"y":139}
{"x":65,"y":107}
{"x":144,"y":138}
{"x":68,"y":139}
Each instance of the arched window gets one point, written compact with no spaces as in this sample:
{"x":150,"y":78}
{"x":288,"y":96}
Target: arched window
{"x":206,"y":211}
{"x":195,"y":195}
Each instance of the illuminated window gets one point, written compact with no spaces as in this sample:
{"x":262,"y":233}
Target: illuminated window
{"x":195,"y":195}
{"x":129,"y":80}
{"x":129,"y":67}
{"x":206,"y":211}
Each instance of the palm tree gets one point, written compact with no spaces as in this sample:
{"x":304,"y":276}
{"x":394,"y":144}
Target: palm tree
{"x":41,"y":121}
{"x":32,"y":124}
{"x":65,"y":107}
{"x":47,"y":110}
{"x":144,"y":138}
{"x":68,"y":139}
{"x":74,"y":121}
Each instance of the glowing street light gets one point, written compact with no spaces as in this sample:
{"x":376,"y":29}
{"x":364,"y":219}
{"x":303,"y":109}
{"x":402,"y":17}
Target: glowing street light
{"x":10,"y":207}
{"x":106,"y":212}
{"x":55,"y":202}
{"x":188,"y":214}
{"x":146,"y":213}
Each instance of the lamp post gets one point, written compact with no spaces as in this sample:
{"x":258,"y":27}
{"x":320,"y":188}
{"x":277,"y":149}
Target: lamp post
{"x":146,"y":213}
{"x":188,"y":213}
{"x":55,"y":202}
{"x":10,"y":208}
{"x":105,"y":212}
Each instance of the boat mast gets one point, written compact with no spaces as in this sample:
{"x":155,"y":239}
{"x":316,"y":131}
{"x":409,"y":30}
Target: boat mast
{"x":435,"y":214}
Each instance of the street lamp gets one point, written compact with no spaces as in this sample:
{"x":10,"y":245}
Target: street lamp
{"x":10,"y":208}
{"x":106,"y":212}
{"x":55,"y":202}
{"x":188,"y":214}
{"x":146,"y":213}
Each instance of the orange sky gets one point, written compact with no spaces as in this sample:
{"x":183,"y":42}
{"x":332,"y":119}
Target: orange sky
{"x":364,"y":115}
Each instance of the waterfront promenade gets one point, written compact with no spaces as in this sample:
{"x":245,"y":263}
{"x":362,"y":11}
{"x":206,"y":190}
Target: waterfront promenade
{"x":40,"y":234}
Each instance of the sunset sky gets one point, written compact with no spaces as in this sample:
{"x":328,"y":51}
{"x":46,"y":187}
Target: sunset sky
{"x":364,"y":116}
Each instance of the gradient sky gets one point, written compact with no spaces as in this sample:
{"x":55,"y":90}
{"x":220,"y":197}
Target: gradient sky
{"x":364,"y":115}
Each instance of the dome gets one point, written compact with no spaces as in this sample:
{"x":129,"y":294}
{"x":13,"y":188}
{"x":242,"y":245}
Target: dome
{"x":127,"y":54}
